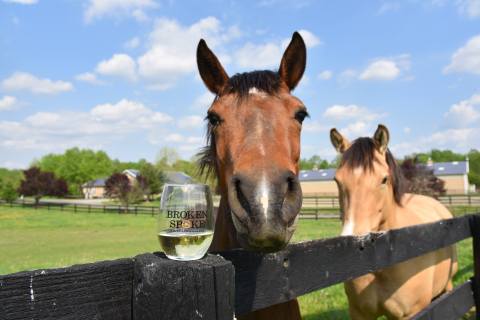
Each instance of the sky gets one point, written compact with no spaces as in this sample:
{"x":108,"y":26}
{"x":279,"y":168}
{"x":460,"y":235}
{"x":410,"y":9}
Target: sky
{"x":121,"y":75}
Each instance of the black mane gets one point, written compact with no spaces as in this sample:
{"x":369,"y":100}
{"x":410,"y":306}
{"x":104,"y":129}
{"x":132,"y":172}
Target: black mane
{"x":362,"y":154}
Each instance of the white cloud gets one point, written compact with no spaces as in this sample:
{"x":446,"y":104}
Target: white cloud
{"x":325,"y":75}
{"x":380,"y":70}
{"x":132,"y":43}
{"x":89,"y":77}
{"x":203,"y":101}
{"x":386,"y":69}
{"x":25,"y":81}
{"x":407,"y":130}
{"x":470,"y":8}
{"x":175,"y":137}
{"x":190,"y":122}
{"x":101,"y":125}
{"x":269,"y":54}
{"x":346,"y":76}
{"x":257,"y":56}
{"x":467,"y":58}
{"x":310,"y":39}
{"x":352,"y":111}
{"x":27,"y":2}
{"x":465,"y":112}
{"x":97,"y":9}
{"x":119,"y":65}
{"x":7,"y":103}
{"x":171,"y":49}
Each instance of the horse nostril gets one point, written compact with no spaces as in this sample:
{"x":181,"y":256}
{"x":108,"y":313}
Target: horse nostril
{"x":242,"y":199}
{"x":291,"y":184}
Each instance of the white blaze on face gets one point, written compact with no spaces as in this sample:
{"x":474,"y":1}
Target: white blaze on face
{"x":263,"y":195}
{"x":348,"y":228}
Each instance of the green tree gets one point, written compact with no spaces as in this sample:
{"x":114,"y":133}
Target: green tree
{"x":77,"y":166}
{"x":474,"y":160}
{"x":8,"y":192}
{"x":155,"y":178}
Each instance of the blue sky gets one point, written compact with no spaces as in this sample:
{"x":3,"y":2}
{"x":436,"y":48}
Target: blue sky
{"x":120,"y":75}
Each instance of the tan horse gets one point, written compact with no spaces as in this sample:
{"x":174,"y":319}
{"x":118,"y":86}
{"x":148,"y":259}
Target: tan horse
{"x":254,"y":150}
{"x":372,"y":199}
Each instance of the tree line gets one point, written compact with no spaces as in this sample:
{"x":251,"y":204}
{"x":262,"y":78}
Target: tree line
{"x":64,"y":174}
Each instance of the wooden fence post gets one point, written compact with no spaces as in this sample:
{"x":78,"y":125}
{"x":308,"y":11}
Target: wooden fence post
{"x":152,"y":211}
{"x":475,"y":229}
{"x":168,"y":289}
{"x":89,"y":208}
{"x":75,"y":207}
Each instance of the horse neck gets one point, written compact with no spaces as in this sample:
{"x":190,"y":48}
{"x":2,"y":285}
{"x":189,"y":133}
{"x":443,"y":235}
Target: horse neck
{"x":225,"y":234}
{"x":390,"y":212}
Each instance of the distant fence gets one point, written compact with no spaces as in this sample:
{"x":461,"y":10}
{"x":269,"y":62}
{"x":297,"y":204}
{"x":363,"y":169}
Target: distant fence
{"x":313,"y":206}
{"x":236,"y":282}
{"x":83,"y":208}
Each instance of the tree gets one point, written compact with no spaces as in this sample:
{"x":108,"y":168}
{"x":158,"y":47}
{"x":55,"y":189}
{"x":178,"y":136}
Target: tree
{"x":118,"y":186}
{"x":155,"y":179}
{"x":37,"y":183}
{"x":77,"y":166}
{"x":420,"y":179}
{"x":315,"y":162}
{"x":8,"y":192}
{"x":166,"y":158}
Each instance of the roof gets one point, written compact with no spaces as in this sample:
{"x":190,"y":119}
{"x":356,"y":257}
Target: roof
{"x":132,"y":172}
{"x":439,"y":169}
{"x":94,"y":183}
{"x":449,"y":168}
{"x":178,"y":177}
{"x":317,"y":175}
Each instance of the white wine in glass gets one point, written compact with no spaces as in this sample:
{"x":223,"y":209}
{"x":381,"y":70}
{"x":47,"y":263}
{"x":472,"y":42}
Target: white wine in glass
{"x":185,"y":226}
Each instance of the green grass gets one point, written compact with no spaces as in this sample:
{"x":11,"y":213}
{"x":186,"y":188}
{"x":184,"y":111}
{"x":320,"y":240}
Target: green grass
{"x":36,"y":239}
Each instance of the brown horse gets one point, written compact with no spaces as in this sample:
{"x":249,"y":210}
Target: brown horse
{"x":372,"y":199}
{"x":253,"y":149}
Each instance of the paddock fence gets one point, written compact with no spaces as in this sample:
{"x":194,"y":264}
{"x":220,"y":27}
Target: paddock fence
{"x":314,"y":206}
{"x":236,"y":282}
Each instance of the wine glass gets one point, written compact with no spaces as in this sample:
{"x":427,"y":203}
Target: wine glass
{"x":185,"y":225}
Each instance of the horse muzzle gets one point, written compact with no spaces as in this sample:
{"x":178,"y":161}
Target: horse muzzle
{"x":264,"y":209}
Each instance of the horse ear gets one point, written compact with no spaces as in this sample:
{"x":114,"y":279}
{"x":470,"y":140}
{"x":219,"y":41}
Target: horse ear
{"x":381,"y":138}
{"x":293,"y":61}
{"x":211,"y":71}
{"x":340,"y":143}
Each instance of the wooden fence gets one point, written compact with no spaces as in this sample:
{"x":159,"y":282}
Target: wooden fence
{"x":149,"y":286}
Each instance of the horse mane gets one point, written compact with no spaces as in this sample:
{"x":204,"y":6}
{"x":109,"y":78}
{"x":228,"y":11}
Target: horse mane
{"x":362,"y":154}
{"x":264,"y":80}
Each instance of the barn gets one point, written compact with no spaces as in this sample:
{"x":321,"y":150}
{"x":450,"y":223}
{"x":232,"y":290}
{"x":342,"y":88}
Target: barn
{"x":455,"y":174}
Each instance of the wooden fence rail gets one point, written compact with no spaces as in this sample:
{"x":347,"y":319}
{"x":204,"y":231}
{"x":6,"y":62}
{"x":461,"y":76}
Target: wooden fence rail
{"x":149,"y":286}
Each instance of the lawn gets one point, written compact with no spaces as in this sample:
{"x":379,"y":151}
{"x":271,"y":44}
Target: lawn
{"x":35,"y":239}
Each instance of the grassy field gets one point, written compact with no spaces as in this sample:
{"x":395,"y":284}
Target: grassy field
{"x":34,"y":239}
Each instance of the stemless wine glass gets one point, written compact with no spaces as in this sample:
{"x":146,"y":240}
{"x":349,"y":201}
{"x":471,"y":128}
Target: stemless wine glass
{"x":185,"y":226}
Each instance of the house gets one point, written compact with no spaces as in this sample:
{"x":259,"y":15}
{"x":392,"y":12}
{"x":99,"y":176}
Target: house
{"x":455,"y":174}
{"x":318,"y":182}
{"x":176,"y":177}
{"x":131,"y":174}
{"x":94,"y":189}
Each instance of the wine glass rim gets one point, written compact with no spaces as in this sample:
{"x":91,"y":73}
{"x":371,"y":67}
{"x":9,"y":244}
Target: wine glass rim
{"x":185,"y":185}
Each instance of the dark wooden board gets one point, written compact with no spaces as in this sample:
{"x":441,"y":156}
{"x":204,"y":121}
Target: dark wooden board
{"x":167,"y":289}
{"x":475,"y":227}
{"x":450,"y":306}
{"x":265,"y":280}
{"x":101,"y":290}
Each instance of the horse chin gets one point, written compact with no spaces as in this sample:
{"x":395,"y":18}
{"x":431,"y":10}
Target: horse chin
{"x":262,"y":244}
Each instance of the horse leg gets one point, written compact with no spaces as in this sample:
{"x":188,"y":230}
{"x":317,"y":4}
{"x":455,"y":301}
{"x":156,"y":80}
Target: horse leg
{"x":283,"y":311}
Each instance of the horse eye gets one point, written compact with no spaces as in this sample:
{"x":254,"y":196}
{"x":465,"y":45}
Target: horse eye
{"x":214,"y":119}
{"x":301,"y":115}
{"x":384,"y":181}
